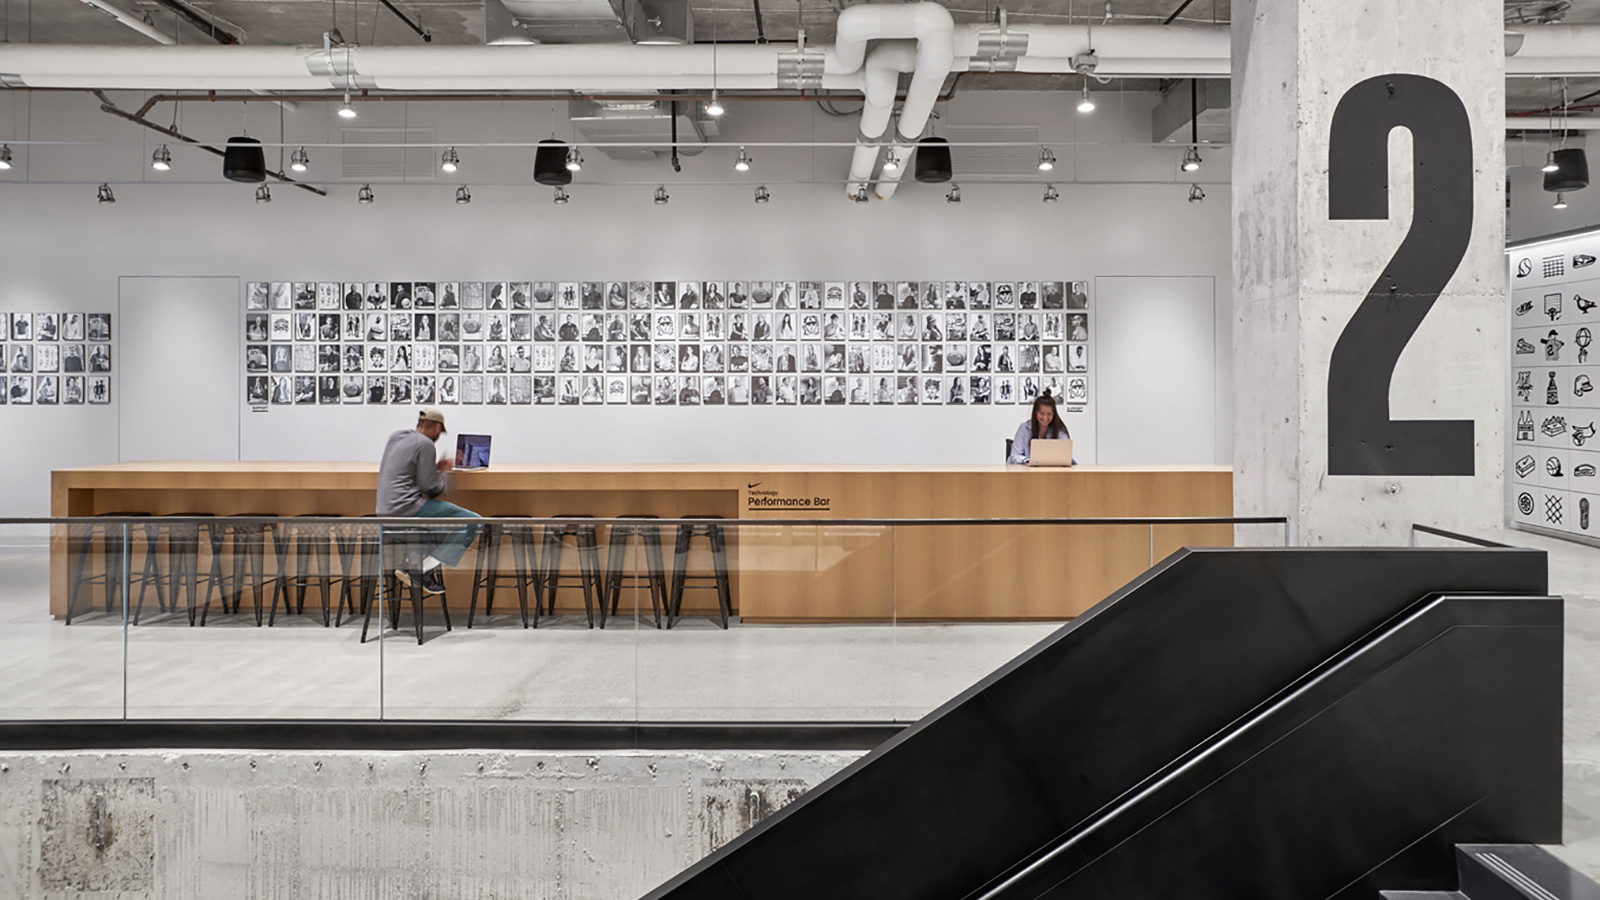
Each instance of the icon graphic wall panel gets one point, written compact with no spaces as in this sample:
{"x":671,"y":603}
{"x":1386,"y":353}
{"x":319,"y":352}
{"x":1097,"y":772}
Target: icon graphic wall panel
{"x":667,"y":343}
{"x":55,"y":359}
{"x":1555,"y":410}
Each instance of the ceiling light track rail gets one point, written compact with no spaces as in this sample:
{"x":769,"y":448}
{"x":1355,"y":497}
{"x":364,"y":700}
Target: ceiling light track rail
{"x":107,"y":106}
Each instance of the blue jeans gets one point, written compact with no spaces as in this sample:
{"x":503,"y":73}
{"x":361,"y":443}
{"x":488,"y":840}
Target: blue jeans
{"x":453,"y":542}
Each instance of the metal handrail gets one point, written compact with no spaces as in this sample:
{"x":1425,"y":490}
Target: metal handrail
{"x":1452,"y":535}
{"x":732,"y":523}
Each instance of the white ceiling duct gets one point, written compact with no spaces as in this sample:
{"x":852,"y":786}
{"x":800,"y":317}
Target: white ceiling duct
{"x":1553,"y":51}
{"x":136,"y":22}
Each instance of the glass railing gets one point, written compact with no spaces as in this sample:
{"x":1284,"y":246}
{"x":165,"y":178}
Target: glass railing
{"x":546,"y":620}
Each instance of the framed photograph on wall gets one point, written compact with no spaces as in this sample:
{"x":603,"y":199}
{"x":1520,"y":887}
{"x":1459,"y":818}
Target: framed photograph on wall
{"x":72,"y":389}
{"x":521,"y":390}
{"x":883,"y":390}
{"x":257,"y":295}
{"x":72,"y":326}
{"x":282,"y":296}
{"x":98,"y":326}
{"x":20,"y":392}
{"x":760,"y":390}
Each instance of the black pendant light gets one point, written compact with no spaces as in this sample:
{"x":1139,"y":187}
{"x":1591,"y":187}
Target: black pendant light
{"x":933,"y":160}
{"x":244,"y":161}
{"x":550,"y":163}
{"x":1571,"y":172}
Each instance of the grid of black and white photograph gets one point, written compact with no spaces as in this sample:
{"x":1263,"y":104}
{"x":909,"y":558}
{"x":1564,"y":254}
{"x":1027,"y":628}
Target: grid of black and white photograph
{"x":55,"y":358}
{"x":667,"y":343}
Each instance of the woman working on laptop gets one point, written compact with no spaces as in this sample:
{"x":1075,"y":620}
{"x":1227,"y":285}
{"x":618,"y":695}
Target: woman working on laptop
{"x":1044,"y":423}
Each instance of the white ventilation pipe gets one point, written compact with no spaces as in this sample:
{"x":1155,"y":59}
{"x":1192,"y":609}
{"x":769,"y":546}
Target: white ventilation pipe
{"x":880,"y":82}
{"x":137,"y":23}
{"x":1553,"y":51}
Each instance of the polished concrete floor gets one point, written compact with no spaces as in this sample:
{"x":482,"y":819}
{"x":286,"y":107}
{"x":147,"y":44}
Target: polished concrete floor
{"x":629,"y":671}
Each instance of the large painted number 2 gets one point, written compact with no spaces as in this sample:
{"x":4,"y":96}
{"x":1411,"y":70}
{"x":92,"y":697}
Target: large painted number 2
{"x":1362,"y":438}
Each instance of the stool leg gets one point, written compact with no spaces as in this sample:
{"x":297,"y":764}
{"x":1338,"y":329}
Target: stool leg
{"x":588,"y":568}
{"x":616,"y":558}
{"x":323,"y":555}
{"x":302,"y":573}
{"x":519,"y":562}
{"x":416,"y":599}
{"x":484,"y":543}
{"x":85,"y":545}
{"x":280,"y":585}
{"x":680,"y":561}
{"x":719,"y":563}
{"x":655,"y":569}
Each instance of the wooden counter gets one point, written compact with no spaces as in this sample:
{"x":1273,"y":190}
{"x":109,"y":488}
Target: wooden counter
{"x":782,"y":573}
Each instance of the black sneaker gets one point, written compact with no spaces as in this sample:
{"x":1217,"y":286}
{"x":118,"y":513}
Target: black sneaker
{"x":431,"y":580}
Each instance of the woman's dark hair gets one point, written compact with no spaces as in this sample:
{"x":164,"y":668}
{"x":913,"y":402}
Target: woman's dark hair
{"x":1056,"y":425}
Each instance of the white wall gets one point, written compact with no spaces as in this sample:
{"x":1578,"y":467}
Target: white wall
{"x":62,"y":250}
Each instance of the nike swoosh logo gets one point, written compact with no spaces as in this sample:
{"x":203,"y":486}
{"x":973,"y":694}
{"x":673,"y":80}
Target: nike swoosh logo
{"x":756,"y":485}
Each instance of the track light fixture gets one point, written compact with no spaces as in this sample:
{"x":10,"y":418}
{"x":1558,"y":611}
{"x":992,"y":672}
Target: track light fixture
{"x":762,"y":194}
{"x":1051,"y":195}
{"x":661,"y":195}
{"x":561,"y":197}
{"x":463,"y":196}
{"x":1196,"y":195}
{"x":1561,"y":201}
{"x":161,"y":160}
{"x":714,"y":108}
{"x":365,"y":194}
{"x":263,"y":194}
{"x":449,"y":162}
{"x":1085,"y":105}
{"x":1191,"y":159}
{"x":742,"y":163}
{"x":5,"y":156}
{"x":955,"y":194}
{"x":1047,"y":160}
{"x":104,"y":195}
{"x":299,"y":161}
{"x":574,"y":160}
{"x":1550,"y":163}
{"x":860,"y":196}
{"x":347,"y":111}
{"x":891,"y":163}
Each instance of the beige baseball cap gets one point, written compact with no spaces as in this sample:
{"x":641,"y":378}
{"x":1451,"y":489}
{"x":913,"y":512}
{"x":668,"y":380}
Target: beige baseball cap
{"x":430,"y":414}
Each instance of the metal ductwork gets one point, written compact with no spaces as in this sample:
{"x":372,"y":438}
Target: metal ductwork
{"x":646,"y":123}
{"x":1172,"y":116}
{"x":588,"y":22}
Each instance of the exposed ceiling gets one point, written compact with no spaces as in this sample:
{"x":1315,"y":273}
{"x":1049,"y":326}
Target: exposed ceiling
{"x":462,"y":22}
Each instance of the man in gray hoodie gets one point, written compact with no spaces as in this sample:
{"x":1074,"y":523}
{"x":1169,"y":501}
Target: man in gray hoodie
{"x":410,"y":480}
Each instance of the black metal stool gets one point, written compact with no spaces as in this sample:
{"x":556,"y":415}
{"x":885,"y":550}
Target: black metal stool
{"x":183,"y":560}
{"x":114,"y":552}
{"x":310,"y":543}
{"x":524,"y":560}
{"x":248,"y":547}
{"x":402,"y":551}
{"x":586,"y":539}
{"x":150,"y":573}
{"x":716,"y":535}
{"x":655,"y":576}
{"x":357,"y":543}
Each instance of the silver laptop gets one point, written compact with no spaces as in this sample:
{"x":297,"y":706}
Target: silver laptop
{"x":472,"y":451}
{"x":1042,"y":452}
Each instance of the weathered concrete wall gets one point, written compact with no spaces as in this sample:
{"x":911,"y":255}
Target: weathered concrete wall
{"x":464,"y":825}
{"x":1299,"y":275}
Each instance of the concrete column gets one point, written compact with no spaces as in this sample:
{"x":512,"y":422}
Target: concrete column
{"x":1312,"y":246}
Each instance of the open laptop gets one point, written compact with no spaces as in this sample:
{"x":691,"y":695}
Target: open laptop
{"x":1056,"y":452}
{"x":472,"y":451}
